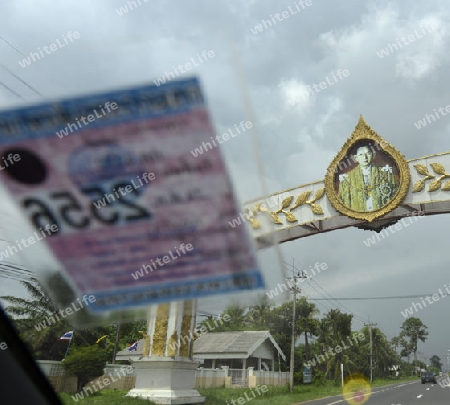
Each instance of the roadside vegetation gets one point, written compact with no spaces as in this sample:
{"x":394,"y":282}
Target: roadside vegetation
{"x":214,"y":396}
{"x":316,"y":336}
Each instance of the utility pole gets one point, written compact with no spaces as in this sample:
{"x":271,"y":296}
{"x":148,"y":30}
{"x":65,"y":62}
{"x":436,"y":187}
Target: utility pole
{"x":370,"y":337}
{"x":294,"y":289}
{"x":116,"y":343}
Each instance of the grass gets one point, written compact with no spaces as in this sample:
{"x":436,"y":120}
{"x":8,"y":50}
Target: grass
{"x":104,"y":397}
{"x":214,"y":396}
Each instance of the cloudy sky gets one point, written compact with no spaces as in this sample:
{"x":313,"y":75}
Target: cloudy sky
{"x":257,"y":74}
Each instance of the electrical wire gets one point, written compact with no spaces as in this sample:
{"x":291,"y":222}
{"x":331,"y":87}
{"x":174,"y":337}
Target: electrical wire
{"x":14,"y":272}
{"x":375,"y":298}
{"x":11,"y":90}
{"x":355,"y":317}
{"x":361,"y":318}
{"x":339,"y":305}
{"x":326,"y":308}
{"x":14,"y":75}
{"x":21,"y":80}
{"x":11,"y":46}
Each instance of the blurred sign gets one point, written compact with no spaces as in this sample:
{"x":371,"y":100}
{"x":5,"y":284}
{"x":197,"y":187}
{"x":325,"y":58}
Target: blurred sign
{"x":307,"y":375}
{"x":136,"y":216}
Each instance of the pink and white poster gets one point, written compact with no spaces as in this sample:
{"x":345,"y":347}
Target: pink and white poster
{"x":133,"y":216}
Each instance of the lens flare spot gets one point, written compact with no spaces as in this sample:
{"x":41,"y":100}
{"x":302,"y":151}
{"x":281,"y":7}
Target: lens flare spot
{"x":356,"y":389}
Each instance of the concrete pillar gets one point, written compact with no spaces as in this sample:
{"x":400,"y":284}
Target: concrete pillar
{"x":227,"y":379}
{"x":251,"y":378}
{"x":166,"y":372}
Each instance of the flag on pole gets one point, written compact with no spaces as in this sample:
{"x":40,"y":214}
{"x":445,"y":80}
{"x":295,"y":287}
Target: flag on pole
{"x":101,"y":338}
{"x":67,"y":336}
{"x":133,"y":347}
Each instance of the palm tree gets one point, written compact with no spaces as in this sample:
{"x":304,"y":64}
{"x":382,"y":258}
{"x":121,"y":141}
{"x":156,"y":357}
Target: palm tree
{"x":37,"y":320}
{"x":382,"y":351}
{"x":340,"y":326}
{"x":307,"y":323}
{"x":237,"y":316}
{"x":324,"y":333}
{"x":334,"y":365}
{"x":259,"y":314}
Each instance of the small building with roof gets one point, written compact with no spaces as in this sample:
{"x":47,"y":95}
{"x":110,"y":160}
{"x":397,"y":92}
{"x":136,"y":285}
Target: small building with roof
{"x":238,"y":350}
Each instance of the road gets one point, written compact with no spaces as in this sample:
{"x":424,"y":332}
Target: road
{"x":410,"y":393}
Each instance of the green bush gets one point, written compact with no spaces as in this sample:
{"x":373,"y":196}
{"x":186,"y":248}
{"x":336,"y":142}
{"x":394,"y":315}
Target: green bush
{"x":86,"y":363}
{"x":319,"y":378}
{"x":298,"y":377}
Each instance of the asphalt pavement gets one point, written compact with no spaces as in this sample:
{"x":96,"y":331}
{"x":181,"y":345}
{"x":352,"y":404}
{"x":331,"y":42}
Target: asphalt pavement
{"x":410,"y":393}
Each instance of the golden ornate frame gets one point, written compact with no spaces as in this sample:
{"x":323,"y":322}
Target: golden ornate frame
{"x":364,"y":131}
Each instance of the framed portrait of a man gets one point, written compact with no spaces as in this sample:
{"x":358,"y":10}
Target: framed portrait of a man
{"x":368,"y":178}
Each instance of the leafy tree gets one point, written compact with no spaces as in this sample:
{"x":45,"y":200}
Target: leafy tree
{"x":421,"y":364}
{"x":395,"y":342}
{"x":435,"y":361}
{"x":414,"y":330}
{"x":129,"y":332}
{"x":281,"y":328}
{"x":86,"y":363}
{"x":405,"y":346}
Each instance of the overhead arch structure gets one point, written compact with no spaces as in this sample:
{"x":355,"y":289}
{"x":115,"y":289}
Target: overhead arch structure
{"x":404,"y":191}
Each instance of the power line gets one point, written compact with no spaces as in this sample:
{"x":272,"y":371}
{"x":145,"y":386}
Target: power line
{"x":374,"y":298}
{"x":21,"y":80}
{"x":339,"y":305}
{"x":324,"y":299}
{"x":13,"y":272}
{"x":11,"y":46}
{"x":326,"y":308}
{"x":361,"y":319}
{"x":315,"y":289}
{"x":14,"y":75}
{"x":11,"y":90}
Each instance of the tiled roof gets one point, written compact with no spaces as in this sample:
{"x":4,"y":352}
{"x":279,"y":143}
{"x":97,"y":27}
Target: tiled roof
{"x":228,"y":342}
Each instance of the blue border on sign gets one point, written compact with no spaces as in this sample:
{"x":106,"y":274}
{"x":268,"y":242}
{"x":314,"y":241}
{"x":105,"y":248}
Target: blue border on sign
{"x":197,"y":290}
{"x":139,"y":103}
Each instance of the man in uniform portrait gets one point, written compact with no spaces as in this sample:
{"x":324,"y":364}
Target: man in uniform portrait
{"x":367,"y":187}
